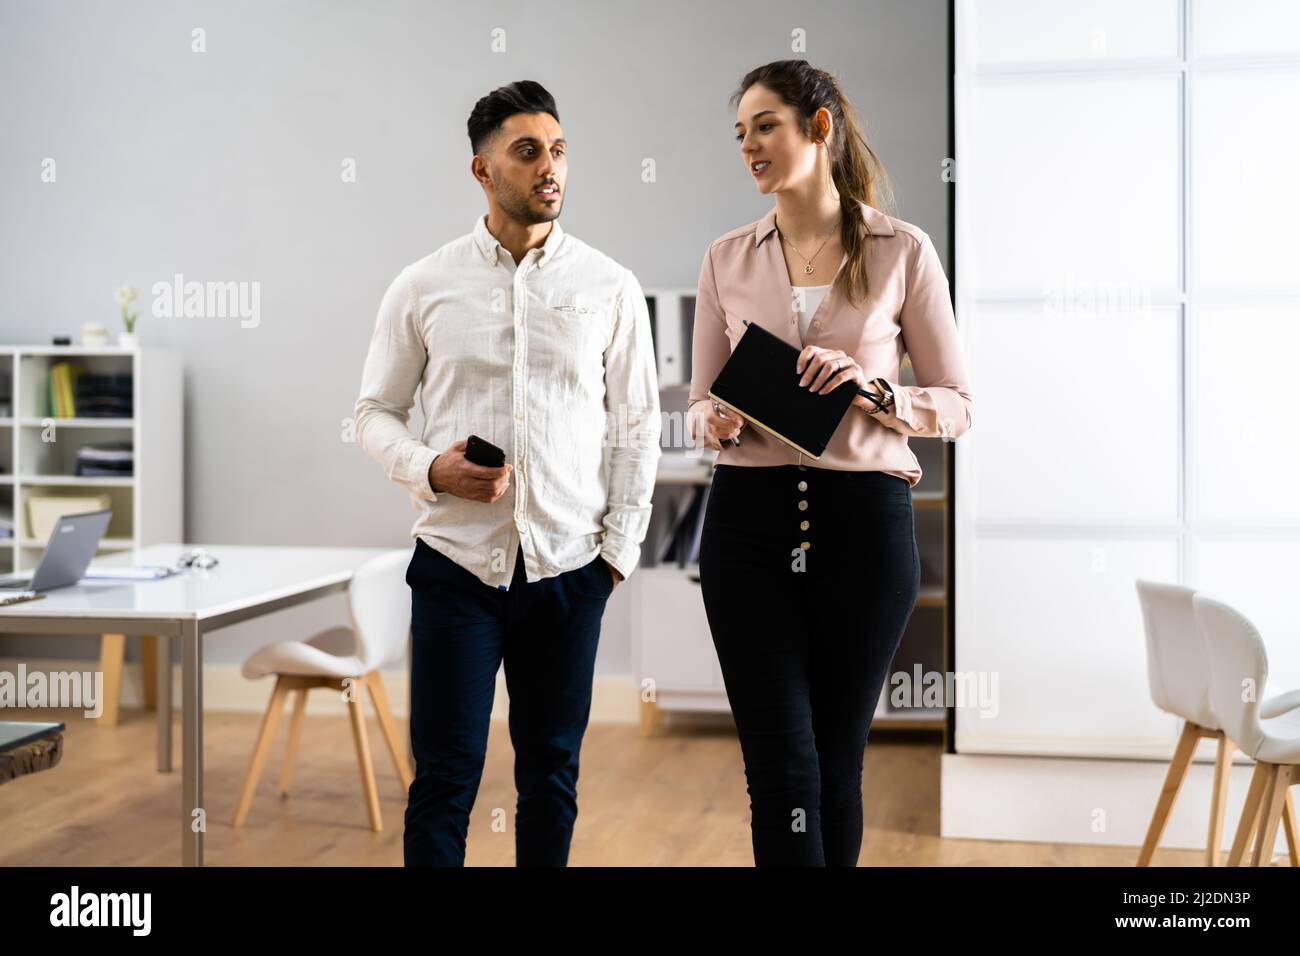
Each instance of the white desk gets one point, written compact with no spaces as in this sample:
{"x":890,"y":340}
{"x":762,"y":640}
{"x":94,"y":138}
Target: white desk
{"x":248,"y":582}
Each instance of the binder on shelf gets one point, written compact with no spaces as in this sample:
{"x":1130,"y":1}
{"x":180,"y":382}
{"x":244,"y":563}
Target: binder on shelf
{"x":106,"y":459}
{"x":101,"y":395}
{"x":62,"y":383}
{"x":76,"y":393}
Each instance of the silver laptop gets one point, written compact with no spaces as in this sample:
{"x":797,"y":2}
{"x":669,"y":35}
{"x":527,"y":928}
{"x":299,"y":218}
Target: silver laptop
{"x":68,"y":553}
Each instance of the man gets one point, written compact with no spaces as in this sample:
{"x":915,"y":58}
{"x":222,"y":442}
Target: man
{"x":529,"y":338}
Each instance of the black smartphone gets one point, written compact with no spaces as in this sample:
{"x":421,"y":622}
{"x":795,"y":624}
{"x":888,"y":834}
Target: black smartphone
{"x":483,"y":452}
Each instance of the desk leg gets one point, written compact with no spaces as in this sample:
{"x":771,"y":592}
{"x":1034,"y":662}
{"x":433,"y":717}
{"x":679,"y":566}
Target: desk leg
{"x":193,"y":813}
{"x":163,"y":700}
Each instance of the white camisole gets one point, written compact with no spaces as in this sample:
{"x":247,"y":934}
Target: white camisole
{"x":812,"y":297}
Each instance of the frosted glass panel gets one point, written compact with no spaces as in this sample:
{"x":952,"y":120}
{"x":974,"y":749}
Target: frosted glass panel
{"x":1246,"y":456}
{"x":1225,"y":27}
{"x":1070,"y":241}
{"x":1059,"y":623}
{"x":1072,"y":178}
{"x":1048,"y":445}
{"x":1259,"y":579}
{"x":1245,"y":205}
{"x":1009,"y":30}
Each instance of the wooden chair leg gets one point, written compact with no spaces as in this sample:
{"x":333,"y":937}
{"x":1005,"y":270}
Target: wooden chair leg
{"x":112,"y":652}
{"x":262,"y":748}
{"x":1219,"y":800}
{"x":1279,"y":779}
{"x":363,"y":759}
{"x":1288,"y":819}
{"x":149,"y":670}
{"x":1249,"y":814}
{"x":295,"y":732}
{"x":379,"y":698}
{"x":1174,"y":777}
{"x":651,"y":718}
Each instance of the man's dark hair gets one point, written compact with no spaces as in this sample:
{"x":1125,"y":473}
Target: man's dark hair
{"x":522,"y":96}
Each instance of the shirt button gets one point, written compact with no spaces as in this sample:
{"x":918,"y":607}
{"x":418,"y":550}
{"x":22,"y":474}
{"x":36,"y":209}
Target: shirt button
{"x":803,"y":525}
{"x":803,"y":506}
{"x":803,"y":486}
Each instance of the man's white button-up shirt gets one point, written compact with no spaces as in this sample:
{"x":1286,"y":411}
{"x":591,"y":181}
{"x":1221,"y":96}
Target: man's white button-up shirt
{"x":551,"y":360}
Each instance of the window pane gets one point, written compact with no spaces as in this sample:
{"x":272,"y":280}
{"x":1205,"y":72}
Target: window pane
{"x":1073,"y":177}
{"x":1244,"y":205}
{"x":1009,"y":30}
{"x":1059,"y":623}
{"x":1078,"y":415}
{"x":1246,"y":460}
{"x":1225,"y":27}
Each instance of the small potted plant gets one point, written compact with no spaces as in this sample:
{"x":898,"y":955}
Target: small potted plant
{"x":125,"y":296}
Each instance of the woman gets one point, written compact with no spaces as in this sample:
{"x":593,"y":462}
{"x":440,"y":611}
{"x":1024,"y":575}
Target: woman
{"x":809,"y":569}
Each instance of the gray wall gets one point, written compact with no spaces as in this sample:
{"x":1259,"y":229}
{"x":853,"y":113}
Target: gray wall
{"x":225,"y":165}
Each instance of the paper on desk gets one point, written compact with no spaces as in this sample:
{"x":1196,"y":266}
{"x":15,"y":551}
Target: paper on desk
{"x":141,"y":573}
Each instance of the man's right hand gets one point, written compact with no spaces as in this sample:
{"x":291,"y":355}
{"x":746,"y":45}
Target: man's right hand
{"x":453,"y":474}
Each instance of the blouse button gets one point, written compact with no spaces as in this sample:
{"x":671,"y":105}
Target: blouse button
{"x":803,"y":506}
{"x":803,"y":486}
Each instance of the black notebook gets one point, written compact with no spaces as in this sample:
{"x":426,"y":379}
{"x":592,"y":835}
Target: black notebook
{"x":759,"y":382}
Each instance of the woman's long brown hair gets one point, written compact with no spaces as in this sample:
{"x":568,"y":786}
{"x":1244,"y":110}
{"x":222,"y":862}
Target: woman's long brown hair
{"x":857,"y":172}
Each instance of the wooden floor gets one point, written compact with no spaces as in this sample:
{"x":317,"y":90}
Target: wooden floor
{"x":672,"y":800}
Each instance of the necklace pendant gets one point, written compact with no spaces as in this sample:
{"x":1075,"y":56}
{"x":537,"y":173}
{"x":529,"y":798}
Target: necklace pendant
{"x":808,"y":269}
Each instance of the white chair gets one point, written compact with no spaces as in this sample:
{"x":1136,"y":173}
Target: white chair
{"x":1178,"y":672}
{"x":1239,"y":665}
{"x":344,"y":659}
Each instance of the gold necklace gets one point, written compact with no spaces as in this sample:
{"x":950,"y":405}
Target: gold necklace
{"x":807,"y":262}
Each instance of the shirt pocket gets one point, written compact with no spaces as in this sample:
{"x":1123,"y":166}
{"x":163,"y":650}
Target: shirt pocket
{"x":571,"y":303}
{"x":572,"y":346}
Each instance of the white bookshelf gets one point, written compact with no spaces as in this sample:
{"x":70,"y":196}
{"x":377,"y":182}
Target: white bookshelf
{"x":38,"y":450}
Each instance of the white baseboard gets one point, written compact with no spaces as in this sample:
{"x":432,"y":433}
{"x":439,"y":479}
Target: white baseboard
{"x":614,"y":697}
{"x":1081,"y":800}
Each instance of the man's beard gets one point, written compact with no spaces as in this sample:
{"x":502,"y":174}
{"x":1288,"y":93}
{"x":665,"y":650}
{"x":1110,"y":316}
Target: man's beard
{"x":518,"y":206}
